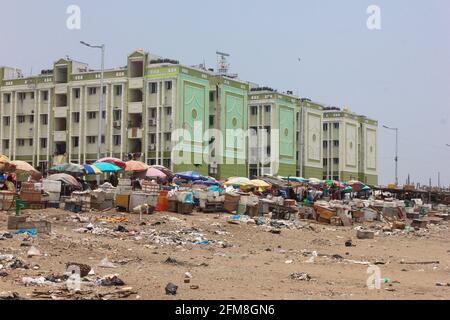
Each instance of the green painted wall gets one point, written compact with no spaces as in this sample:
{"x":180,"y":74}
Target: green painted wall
{"x":311,"y":172}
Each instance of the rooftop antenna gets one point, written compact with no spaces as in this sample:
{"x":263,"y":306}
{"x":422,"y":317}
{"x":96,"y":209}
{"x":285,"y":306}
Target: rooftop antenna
{"x":222,"y":64}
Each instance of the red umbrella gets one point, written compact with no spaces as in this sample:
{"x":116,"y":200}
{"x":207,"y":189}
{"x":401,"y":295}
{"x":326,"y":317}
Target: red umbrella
{"x":114,"y":161}
{"x":164,"y":170}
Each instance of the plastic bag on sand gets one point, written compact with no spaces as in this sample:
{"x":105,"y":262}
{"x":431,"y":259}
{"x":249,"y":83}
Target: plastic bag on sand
{"x":105,"y":263}
{"x":34,"y":252}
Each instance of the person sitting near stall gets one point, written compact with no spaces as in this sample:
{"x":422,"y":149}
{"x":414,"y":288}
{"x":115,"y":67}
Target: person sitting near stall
{"x":3,"y":186}
{"x":10,"y":184}
{"x":113,"y":180}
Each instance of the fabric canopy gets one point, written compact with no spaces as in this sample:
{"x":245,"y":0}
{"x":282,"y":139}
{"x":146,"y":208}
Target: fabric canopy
{"x":23,"y":166}
{"x":114,"y":161}
{"x":155,"y":173}
{"x":106,"y":167}
{"x":66,"y":178}
{"x":135,"y":166}
{"x":71,"y":168}
{"x":91,"y":170}
{"x":260,"y":183}
{"x":190,"y":176}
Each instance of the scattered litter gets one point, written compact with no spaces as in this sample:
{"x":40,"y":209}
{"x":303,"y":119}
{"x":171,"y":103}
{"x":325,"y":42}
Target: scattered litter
{"x":105,"y":263}
{"x":171,"y":289}
{"x":109,"y":280}
{"x":300,"y":276}
{"x":33,"y":252}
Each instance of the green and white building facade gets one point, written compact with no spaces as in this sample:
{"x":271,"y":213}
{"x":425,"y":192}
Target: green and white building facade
{"x":162,"y":112}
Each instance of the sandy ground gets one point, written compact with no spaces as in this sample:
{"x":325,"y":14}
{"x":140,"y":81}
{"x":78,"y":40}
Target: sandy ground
{"x":242,"y":261}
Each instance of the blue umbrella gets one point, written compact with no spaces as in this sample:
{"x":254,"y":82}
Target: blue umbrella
{"x":207,"y":182}
{"x":90,"y":170}
{"x":190,"y":176}
{"x":106,"y":167}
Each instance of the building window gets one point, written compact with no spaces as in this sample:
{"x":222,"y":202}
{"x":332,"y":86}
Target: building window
{"x":211,"y":121}
{"x":325,"y":144}
{"x":45,"y":95}
{"x":76,"y":117}
{"x":6,"y":121}
{"x":103,"y":139}
{"x":152,"y":113}
{"x":31,"y":119}
{"x":168,"y":85}
{"x":92,"y":91}
{"x":153,"y":87}
{"x":325,"y":162}
{"x":104,"y":90}
{"x":118,"y":90}
{"x":336,"y":160}
{"x":30,"y":142}
{"x":336,"y":125}
{"x":22,"y":96}
{"x":325,"y":127}
{"x":44,"y":119}
{"x":169,"y":111}
{"x":21,"y":119}
{"x":168,"y":136}
{"x":8,"y":98}
{"x":153,"y":138}
{"x":336,"y":143}
{"x":104,"y":114}
{"x":20,"y":142}
{"x":75,"y":142}
{"x":167,"y":163}
{"x":117,"y":140}
{"x":91,"y":139}
{"x":32,"y":95}
{"x":77,"y":93}
{"x":117,"y":115}
{"x":254,"y":110}
{"x":6,"y":144}
{"x":267,"y":108}
{"x":211,"y":96}
{"x":92,"y":115}
{"x":43,"y":143}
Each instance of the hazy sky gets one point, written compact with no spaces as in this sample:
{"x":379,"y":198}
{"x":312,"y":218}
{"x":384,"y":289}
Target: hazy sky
{"x":399,"y":75}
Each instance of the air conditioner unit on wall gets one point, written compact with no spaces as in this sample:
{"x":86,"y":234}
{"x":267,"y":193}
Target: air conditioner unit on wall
{"x":117,"y":124}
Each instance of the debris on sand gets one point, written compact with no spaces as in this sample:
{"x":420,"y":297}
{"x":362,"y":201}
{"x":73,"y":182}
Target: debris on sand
{"x":171,"y":289}
{"x":300,"y":276}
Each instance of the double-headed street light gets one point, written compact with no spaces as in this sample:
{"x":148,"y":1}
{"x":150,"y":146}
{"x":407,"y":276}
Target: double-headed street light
{"x":100,"y":118}
{"x":396,"y":152}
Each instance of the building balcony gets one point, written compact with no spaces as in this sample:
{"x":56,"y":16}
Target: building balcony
{"x":136,"y":83}
{"x":135,"y":133}
{"x":60,"y":136}
{"x":135,"y":107}
{"x":61,"y":112}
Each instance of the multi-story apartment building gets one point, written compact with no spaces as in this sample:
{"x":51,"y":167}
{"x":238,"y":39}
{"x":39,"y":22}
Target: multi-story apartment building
{"x":349,"y":146}
{"x":185,"y":118}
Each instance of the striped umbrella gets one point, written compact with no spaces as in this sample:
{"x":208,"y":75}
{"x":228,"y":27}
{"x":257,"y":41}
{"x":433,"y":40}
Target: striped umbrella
{"x":91,"y":170}
{"x":70,"y":168}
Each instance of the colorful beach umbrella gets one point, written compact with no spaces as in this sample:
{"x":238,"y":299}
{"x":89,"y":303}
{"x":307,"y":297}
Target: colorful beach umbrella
{"x":23,"y":166}
{"x":114,"y":161}
{"x":106,"y":167}
{"x":67,"y":179}
{"x":260,"y":183}
{"x":295,"y":179}
{"x":155,"y":173}
{"x":190,"y":176}
{"x":135,"y":166}
{"x":91,"y":170}
{"x":239,"y":182}
{"x":70,"y":168}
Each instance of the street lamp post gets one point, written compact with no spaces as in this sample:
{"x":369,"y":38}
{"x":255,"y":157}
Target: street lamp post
{"x":100,"y":120}
{"x":396,"y":152}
